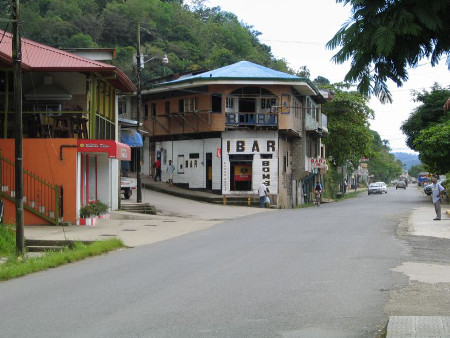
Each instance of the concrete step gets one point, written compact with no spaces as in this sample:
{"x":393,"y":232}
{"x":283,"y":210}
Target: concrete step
{"x":44,"y":248}
{"x":142,"y":208}
{"x":40,"y":245}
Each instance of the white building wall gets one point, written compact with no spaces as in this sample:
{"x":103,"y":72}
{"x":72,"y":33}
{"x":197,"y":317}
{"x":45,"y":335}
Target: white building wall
{"x":78,"y":185}
{"x":191,"y":171}
{"x":104,"y":179}
{"x":115,"y":184}
{"x":256,"y":143}
{"x":214,"y":146}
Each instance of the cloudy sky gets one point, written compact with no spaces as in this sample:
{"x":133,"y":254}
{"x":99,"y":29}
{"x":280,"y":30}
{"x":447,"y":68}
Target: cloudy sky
{"x":297,"y":30}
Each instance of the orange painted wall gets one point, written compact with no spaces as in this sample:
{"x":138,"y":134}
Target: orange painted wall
{"x":41,"y":157}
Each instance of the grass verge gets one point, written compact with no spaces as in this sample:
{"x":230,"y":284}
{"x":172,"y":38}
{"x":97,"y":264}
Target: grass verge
{"x":19,"y":266}
{"x":7,"y":240}
{"x":350,"y":194}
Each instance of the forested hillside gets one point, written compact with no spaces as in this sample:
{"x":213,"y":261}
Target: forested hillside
{"x":193,"y":37}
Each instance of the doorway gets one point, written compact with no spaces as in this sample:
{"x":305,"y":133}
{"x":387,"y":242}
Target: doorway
{"x":241,"y":172}
{"x":247,"y":109}
{"x":209,"y":171}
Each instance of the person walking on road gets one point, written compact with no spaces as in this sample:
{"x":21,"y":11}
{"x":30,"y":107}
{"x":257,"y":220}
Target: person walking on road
{"x":262,"y":191}
{"x":158,"y":170}
{"x":437,"y":192}
{"x":170,"y":170}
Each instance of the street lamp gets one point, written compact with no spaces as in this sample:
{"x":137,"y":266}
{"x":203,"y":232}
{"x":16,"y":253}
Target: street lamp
{"x":140,"y":64}
{"x":164,"y":59}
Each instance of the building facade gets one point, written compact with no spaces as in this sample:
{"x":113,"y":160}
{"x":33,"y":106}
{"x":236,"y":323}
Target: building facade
{"x":228,"y":129}
{"x":71,"y":156}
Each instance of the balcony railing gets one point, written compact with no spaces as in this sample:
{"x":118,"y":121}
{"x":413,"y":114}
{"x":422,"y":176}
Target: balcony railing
{"x":39,"y":197}
{"x":252,"y":119}
{"x":45,"y":124}
{"x":310,"y":123}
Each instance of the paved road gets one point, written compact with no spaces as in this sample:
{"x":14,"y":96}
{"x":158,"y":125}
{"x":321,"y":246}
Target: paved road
{"x":315,"y":272}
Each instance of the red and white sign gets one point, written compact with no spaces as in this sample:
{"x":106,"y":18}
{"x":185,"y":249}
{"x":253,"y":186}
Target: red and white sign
{"x":318,"y":163}
{"x":219,"y":153}
{"x":114,"y":149}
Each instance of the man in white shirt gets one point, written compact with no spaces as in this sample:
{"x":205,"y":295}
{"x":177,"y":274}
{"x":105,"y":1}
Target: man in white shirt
{"x":170,"y":170}
{"x":438,"y":191}
{"x":262,"y":191}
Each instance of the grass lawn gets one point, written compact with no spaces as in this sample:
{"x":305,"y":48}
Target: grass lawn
{"x":14,"y":266}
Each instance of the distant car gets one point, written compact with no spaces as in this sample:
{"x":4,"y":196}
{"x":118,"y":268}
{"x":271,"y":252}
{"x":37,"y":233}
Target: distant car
{"x":383,"y":187}
{"x":428,"y":189}
{"x":375,"y":188}
{"x":400,"y":184}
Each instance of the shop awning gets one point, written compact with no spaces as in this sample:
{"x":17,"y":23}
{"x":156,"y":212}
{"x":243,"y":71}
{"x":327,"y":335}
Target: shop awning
{"x":132,"y":138}
{"x":112,"y":148}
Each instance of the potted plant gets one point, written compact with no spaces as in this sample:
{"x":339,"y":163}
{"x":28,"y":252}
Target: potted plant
{"x":90,"y":212}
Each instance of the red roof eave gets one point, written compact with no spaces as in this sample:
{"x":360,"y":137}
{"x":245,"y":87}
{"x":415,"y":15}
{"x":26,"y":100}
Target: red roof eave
{"x":41,"y":58}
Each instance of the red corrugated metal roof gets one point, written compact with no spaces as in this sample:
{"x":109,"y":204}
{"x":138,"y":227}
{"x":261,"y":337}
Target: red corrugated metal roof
{"x":37,"y":57}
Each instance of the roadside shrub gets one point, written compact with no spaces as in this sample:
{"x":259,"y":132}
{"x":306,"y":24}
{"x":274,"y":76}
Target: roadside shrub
{"x":93,"y":209}
{"x":7,"y":239}
{"x":332,"y":180}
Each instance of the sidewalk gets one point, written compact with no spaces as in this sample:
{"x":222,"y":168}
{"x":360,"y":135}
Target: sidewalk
{"x":421,"y":224}
{"x":139,"y":229}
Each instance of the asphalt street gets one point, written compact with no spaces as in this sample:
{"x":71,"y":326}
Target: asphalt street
{"x":335,"y":271}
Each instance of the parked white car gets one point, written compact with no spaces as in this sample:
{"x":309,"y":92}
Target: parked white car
{"x":375,"y":188}
{"x":383,"y":187}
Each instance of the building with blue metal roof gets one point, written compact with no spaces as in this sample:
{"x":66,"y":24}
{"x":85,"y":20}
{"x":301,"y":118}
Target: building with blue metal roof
{"x":228,"y":129}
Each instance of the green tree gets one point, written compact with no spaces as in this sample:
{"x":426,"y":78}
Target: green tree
{"x":349,"y":136}
{"x":430,"y":112}
{"x":384,"y":38}
{"x":195,"y":37}
{"x":415,"y":170}
{"x":303,"y":71}
{"x":321,"y":81}
{"x":433,"y":145}
{"x":81,"y":40}
{"x":382,"y":165}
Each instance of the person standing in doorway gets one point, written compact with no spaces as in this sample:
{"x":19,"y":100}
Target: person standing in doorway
{"x":170,"y":170}
{"x":262,"y":191}
{"x":158,"y":170}
{"x":437,"y":192}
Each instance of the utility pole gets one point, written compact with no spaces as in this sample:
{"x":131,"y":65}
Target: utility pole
{"x":18,"y":129}
{"x":138,"y":112}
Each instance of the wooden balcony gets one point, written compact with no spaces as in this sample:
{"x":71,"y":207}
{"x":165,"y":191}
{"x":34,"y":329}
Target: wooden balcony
{"x":44,"y":124}
{"x":245,"y":120}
